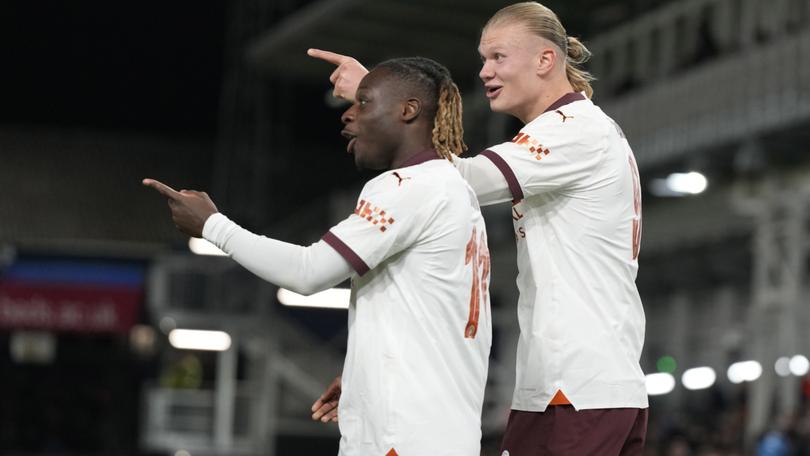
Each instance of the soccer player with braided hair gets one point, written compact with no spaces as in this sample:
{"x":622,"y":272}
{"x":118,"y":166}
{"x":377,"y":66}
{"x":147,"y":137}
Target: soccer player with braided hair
{"x":416,"y":250}
{"x":572,"y":180}
{"x":444,"y":104}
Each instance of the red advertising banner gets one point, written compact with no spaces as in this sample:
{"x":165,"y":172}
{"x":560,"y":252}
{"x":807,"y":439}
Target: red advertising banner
{"x":80,"y":308}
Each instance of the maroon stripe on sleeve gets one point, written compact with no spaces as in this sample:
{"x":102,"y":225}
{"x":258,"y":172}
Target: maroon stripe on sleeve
{"x":346,"y":252}
{"x":508,"y":174}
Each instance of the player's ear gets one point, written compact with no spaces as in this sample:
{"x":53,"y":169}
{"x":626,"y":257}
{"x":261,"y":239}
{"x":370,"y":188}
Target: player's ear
{"x":410,"y":109}
{"x":545,"y":60}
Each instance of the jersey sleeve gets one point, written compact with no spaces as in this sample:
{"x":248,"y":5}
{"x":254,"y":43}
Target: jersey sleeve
{"x":548,"y":155}
{"x":304,"y":270}
{"x":388,"y":218}
{"x":485,"y":178}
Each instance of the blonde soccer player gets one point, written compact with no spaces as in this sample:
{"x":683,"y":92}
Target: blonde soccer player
{"x":571,"y":178}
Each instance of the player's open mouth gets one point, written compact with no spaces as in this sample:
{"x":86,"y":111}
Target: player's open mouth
{"x":493,"y":91}
{"x":351,"y":137}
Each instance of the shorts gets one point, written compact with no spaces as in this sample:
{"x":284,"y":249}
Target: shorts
{"x":563,"y":431}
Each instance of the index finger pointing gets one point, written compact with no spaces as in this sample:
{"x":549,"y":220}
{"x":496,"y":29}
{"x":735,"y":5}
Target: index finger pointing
{"x":162,"y":188}
{"x":331,"y":57}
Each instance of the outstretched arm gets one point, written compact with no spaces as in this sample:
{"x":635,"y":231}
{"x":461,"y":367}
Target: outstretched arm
{"x":304,"y":270}
{"x":190,"y":209}
{"x":484,"y":177}
{"x":346,"y":77}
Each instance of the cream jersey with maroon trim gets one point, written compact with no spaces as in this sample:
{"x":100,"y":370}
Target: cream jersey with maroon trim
{"x":419,"y":318}
{"x":577,"y":216}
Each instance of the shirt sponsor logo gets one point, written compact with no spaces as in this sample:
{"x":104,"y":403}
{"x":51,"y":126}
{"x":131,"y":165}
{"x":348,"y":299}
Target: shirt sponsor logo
{"x":534,"y":146}
{"x":373,"y":214}
{"x":517,"y":215}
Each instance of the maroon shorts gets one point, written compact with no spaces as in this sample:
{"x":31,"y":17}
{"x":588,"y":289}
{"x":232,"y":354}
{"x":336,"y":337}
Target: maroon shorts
{"x":563,"y":431}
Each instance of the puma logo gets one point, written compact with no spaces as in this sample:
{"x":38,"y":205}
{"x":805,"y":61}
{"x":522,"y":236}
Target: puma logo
{"x":400,"y":178}
{"x":563,"y":115}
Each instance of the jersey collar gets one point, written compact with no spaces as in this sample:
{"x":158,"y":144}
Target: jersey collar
{"x":569,"y":97}
{"x":421,"y":157}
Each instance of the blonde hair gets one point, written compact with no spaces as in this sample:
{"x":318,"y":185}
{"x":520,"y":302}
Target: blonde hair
{"x":448,"y":132}
{"x":543,"y":22}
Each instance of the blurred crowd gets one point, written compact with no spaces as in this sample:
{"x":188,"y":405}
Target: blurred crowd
{"x":714,"y":424}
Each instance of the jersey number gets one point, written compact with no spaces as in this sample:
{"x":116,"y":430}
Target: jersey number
{"x":477,"y":255}
{"x":636,"y":207}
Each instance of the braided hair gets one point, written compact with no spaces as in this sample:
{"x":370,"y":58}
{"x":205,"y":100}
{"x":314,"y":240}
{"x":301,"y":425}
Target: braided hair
{"x":442,"y":100}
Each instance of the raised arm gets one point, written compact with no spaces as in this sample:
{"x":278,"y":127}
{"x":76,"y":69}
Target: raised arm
{"x":304,"y":270}
{"x":485,"y":178}
{"x":346,"y":77}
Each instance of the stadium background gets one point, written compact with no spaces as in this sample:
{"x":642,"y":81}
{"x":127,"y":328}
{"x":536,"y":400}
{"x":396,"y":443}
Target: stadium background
{"x":220,"y":96}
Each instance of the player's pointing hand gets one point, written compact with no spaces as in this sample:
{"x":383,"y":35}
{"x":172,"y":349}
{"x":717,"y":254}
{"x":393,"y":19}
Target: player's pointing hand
{"x":346,"y":77}
{"x":190,"y":209}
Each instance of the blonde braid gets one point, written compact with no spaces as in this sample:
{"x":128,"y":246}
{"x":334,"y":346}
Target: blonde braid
{"x":448,"y":132}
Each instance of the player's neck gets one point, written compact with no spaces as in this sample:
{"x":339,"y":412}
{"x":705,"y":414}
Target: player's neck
{"x":406,"y":155}
{"x":547,"y":97}
{"x":409,"y":148}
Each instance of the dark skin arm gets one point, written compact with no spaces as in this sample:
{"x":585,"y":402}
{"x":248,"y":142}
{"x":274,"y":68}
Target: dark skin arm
{"x":347,"y":75}
{"x":190,"y":209}
{"x":325,"y":408}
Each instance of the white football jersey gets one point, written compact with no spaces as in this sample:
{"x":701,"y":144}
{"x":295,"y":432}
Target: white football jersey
{"x":576,"y":210}
{"x":419,"y":320}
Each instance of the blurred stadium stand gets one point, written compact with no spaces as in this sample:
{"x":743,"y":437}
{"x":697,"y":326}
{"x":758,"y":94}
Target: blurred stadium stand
{"x":721,"y":87}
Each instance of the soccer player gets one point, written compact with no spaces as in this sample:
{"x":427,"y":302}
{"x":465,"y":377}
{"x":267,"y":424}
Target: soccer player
{"x":415,"y":247}
{"x":572,"y":180}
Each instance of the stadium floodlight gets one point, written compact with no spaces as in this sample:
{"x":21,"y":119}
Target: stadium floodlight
{"x":202,"y":247}
{"x":659,"y":383}
{"x":799,"y":365}
{"x":333,"y":298}
{"x":698,"y":378}
{"x":782,"y":366}
{"x":196,"y":339}
{"x":691,"y":183}
{"x":744,"y":371}
{"x":679,"y":184}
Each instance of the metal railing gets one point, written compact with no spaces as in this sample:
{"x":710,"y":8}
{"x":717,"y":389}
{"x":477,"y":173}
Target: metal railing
{"x":701,"y":74}
{"x":285,"y":365}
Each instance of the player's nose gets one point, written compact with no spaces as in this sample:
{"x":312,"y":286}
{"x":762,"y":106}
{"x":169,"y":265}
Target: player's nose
{"x":486,"y":72}
{"x":349,"y":115}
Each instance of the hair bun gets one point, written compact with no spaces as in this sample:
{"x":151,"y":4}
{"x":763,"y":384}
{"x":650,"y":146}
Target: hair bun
{"x":577,"y":52}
